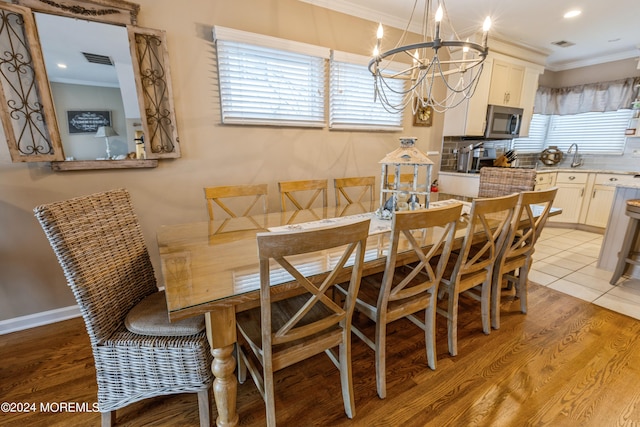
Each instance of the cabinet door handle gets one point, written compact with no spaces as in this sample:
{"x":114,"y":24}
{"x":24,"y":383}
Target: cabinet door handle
{"x":571,"y":178}
{"x":594,"y":194}
{"x":613,"y":179}
{"x":581,"y":192}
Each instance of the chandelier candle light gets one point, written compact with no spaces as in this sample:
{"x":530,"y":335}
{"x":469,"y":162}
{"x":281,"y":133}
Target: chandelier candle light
{"x":460,"y":73}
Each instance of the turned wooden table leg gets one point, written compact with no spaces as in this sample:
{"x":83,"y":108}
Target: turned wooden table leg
{"x":221,"y":333}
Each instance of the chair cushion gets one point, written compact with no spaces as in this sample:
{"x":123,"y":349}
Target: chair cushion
{"x":149,"y":317}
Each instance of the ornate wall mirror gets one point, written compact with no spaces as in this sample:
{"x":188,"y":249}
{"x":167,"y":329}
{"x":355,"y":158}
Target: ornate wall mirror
{"x":94,"y":119}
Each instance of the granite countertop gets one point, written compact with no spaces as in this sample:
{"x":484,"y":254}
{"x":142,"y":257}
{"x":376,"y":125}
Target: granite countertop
{"x":543,"y":170}
{"x":626,"y":184}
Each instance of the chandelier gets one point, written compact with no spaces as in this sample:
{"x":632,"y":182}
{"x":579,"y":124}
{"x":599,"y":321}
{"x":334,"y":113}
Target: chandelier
{"x":460,"y":73}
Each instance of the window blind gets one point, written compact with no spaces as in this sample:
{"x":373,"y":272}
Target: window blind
{"x":595,"y":132}
{"x":270,"y":81}
{"x":534,"y":143}
{"x":352,"y":94}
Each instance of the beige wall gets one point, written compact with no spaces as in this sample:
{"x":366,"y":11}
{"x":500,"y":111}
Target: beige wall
{"x":596,"y":73}
{"x":31,"y":280}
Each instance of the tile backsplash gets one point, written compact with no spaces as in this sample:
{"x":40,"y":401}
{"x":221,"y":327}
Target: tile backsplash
{"x":625,"y":162}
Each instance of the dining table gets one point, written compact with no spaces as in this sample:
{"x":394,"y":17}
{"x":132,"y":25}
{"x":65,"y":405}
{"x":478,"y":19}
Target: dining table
{"x":211,"y":268}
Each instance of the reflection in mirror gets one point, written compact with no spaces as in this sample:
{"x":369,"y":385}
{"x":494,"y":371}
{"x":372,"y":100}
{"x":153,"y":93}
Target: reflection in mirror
{"x":92,"y":83}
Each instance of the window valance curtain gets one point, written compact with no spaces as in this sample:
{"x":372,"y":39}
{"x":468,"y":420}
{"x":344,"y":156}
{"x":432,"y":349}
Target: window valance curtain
{"x":594,"y":97}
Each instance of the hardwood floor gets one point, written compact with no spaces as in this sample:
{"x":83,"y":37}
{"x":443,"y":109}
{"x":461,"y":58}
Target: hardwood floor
{"x":566,"y":363}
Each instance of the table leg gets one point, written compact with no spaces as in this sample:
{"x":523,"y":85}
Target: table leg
{"x":221,"y":333}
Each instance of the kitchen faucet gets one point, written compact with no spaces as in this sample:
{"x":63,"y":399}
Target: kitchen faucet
{"x":577,"y":161}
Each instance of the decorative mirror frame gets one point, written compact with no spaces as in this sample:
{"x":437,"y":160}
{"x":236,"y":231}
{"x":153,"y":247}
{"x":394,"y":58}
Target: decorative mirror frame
{"x":29,"y":118}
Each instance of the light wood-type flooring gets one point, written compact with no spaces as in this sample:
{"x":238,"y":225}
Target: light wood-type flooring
{"x":566,"y":363}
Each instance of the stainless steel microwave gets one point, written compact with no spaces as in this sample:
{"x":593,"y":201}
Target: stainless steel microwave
{"x":503,"y":122}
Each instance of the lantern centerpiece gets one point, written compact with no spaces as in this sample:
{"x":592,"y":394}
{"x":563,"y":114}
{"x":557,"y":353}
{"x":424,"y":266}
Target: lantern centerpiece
{"x":406,"y":173}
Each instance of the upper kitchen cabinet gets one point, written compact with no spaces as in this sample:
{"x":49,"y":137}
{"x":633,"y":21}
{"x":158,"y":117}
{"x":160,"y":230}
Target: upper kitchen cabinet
{"x":506,"y":84}
{"x":506,"y":81}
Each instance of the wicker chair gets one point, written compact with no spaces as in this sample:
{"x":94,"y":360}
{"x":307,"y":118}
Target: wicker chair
{"x":99,"y":244}
{"x":496,"y":182}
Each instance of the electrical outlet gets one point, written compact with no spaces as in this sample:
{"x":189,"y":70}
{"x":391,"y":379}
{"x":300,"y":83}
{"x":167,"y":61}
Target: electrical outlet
{"x":635,"y":153}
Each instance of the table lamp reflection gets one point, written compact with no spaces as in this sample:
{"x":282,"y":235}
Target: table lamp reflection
{"x":105,"y":132}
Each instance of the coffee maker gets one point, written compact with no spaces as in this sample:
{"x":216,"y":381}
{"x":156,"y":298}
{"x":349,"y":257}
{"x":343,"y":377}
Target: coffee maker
{"x":469,"y":157}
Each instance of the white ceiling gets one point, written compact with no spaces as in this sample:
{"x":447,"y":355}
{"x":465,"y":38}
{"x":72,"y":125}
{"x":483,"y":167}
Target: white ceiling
{"x":607,"y":30}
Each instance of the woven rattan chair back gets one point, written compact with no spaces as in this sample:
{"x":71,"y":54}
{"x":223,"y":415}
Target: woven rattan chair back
{"x":98,"y":242}
{"x":496,"y":182}
{"x":100,"y":247}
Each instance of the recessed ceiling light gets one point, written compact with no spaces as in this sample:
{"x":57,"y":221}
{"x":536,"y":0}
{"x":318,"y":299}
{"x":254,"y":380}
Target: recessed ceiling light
{"x":61,"y":65}
{"x":572,"y":13}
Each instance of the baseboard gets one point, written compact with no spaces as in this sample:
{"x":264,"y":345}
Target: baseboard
{"x":38,"y":319}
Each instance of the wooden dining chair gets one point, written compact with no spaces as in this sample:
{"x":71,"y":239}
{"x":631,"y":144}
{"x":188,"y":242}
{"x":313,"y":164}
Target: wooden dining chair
{"x":496,"y":182}
{"x":403,"y":291}
{"x":137,"y":352}
{"x":354,"y":190}
{"x":282,"y":332}
{"x":252,"y":194}
{"x":470,"y":268}
{"x":296,"y":191}
{"x":529,"y":219}
{"x":405,"y":178}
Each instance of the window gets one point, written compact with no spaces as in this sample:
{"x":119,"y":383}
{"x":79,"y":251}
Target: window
{"x":352,"y":103}
{"x":534,"y":143}
{"x":595,"y":132}
{"x":270,"y":81}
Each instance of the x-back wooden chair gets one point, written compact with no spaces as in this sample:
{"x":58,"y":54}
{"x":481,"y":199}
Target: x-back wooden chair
{"x":528,"y":221}
{"x":355,"y":190}
{"x":251,"y":194}
{"x":471,"y":266}
{"x":282,"y":332}
{"x":407,"y":290}
{"x":293,"y":191}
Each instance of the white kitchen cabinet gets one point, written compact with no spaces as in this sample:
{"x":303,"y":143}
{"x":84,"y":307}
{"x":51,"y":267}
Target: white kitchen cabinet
{"x":570,"y":195}
{"x":513,"y":77}
{"x":470,"y":117}
{"x":602,"y":198}
{"x":529,"y":89}
{"x":506,"y":84}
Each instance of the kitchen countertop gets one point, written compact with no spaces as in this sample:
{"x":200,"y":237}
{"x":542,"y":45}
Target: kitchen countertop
{"x":549,"y":170}
{"x":543,"y":170}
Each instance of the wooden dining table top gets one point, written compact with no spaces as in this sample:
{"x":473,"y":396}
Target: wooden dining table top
{"x":214,"y":264}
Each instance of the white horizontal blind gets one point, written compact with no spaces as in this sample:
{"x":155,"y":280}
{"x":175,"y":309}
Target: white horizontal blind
{"x":270,"y":86}
{"x":595,"y":132}
{"x":534,"y":143}
{"x":351,"y":102}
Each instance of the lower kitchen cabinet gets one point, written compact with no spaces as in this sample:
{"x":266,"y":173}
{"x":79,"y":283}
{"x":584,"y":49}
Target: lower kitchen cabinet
{"x":601,"y":199}
{"x":600,"y":206}
{"x":570,"y":195}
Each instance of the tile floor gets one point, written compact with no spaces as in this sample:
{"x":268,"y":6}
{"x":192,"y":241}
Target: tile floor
{"x":565,"y":260}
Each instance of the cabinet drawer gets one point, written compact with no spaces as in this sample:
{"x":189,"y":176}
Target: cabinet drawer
{"x":544,"y":178}
{"x":571,"y":178}
{"x":612,"y":178}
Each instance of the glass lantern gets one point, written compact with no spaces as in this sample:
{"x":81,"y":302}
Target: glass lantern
{"x":404,"y":183}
